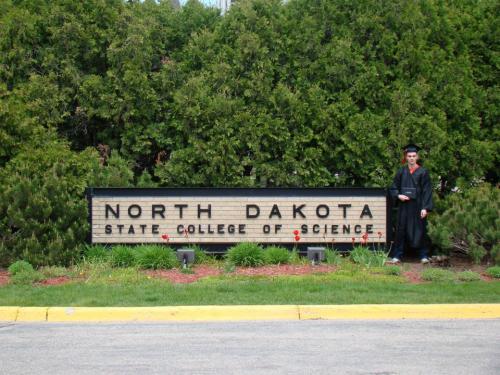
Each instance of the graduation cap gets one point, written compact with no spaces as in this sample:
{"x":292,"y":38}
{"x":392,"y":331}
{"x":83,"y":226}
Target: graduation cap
{"x":411,"y":148}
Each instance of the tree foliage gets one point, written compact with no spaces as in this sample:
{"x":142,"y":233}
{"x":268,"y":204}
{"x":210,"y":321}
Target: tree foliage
{"x":273,"y":93}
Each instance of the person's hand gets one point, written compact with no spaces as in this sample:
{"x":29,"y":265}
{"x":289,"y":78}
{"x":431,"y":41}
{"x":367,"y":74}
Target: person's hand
{"x":403,"y":197}
{"x":423,"y":213}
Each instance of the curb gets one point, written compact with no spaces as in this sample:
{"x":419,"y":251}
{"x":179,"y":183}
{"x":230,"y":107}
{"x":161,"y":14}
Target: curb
{"x":249,"y":313}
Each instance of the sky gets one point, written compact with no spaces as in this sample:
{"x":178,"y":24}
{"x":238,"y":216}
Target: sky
{"x":206,"y":2}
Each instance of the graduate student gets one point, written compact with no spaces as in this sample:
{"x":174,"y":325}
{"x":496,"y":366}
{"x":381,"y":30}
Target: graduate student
{"x":412,"y":191}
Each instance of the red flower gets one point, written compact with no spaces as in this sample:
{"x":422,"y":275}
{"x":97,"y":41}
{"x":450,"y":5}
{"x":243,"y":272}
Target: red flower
{"x":185,"y":233}
{"x":365,"y":237}
{"x":353,"y":239}
{"x":379,"y":234}
{"x":165,"y":237}
{"x":297,"y":238}
{"x":296,"y":232}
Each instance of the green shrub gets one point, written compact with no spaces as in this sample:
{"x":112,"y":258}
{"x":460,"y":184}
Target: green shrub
{"x":468,"y":276}
{"x":392,"y":270}
{"x":43,"y":210}
{"x":332,"y":256}
{"x":199,"y":255}
{"x":276,"y":255}
{"x":26,"y":277}
{"x":155,"y":257}
{"x":366,"y":257}
{"x":19,"y":267}
{"x":437,"y":274}
{"x":494,"y":272}
{"x":469,"y":224}
{"x":122,"y":256}
{"x":96,"y":253}
{"x":246,"y":254}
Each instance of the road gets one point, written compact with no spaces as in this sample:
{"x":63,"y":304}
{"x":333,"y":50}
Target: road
{"x":290,"y":347}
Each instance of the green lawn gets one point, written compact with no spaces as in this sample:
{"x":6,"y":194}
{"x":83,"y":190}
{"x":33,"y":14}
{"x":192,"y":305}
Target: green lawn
{"x":336,"y":288}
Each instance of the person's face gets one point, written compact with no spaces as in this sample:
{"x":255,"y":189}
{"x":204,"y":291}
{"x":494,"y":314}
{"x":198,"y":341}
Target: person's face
{"x":411,"y":158}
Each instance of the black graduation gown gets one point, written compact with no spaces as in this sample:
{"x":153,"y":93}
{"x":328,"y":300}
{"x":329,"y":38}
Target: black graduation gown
{"x":410,"y":225}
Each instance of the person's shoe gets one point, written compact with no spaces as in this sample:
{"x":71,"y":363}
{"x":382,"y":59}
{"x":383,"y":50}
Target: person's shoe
{"x":425,"y":260}
{"x":393,"y":261}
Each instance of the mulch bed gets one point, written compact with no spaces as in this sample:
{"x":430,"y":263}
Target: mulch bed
{"x":4,"y":277}
{"x":201,"y":271}
{"x":55,"y":281}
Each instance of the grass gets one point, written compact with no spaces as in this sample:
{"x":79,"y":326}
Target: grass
{"x":348,"y":286}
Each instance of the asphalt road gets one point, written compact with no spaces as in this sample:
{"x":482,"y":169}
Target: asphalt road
{"x":295,"y":347}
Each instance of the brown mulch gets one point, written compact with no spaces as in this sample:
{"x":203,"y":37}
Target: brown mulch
{"x":4,"y":277}
{"x":176,"y":276}
{"x":201,"y":271}
{"x":285,"y":269}
{"x":55,"y":281}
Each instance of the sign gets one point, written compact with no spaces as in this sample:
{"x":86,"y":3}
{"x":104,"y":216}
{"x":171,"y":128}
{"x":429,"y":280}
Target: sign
{"x":230,"y":215}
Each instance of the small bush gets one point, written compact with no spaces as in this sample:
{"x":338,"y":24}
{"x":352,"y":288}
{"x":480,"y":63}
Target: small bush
{"x":20,"y":266}
{"x":392,"y":270}
{"x":122,"y":256}
{"x":469,"y":224}
{"x":156,"y":257}
{"x":199,"y":255}
{"x":437,"y":274}
{"x":297,"y":259}
{"x":367,"y":258}
{"x":468,"y":276}
{"x":26,"y":277}
{"x":276,"y":255}
{"x":494,"y":272}
{"x":332,"y":256}
{"x":246,"y":254}
{"x":96,"y":253}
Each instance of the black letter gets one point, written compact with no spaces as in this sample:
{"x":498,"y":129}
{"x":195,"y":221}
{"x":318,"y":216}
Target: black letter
{"x":131,"y":230}
{"x":366,"y":211}
{"x":241,"y":228}
{"x":369,"y":228}
{"x":327,"y":211}
{"x":155,"y":229}
{"x":158,"y":209}
{"x":277,"y":228}
{"x":143,"y":227}
{"x":357,"y":228}
{"x":345,"y":207}
{"x":316,"y":228}
{"x":139,"y":211}
{"x":120,"y":228}
{"x":298,"y":210}
{"x":346,"y":228}
{"x":108,"y":229}
{"x":116,"y":213}
{"x":180,"y":207}
{"x":220,"y":228}
{"x":230,"y":229}
{"x":180,"y":228}
{"x":275,"y":211}
{"x":266,"y":228}
{"x":335,"y":229}
{"x":207,"y":210}
{"x":257,"y":211}
{"x":303,"y":228}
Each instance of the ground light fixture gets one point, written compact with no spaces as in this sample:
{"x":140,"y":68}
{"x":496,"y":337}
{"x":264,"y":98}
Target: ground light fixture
{"x":316,"y":254}
{"x":185,"y":256}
